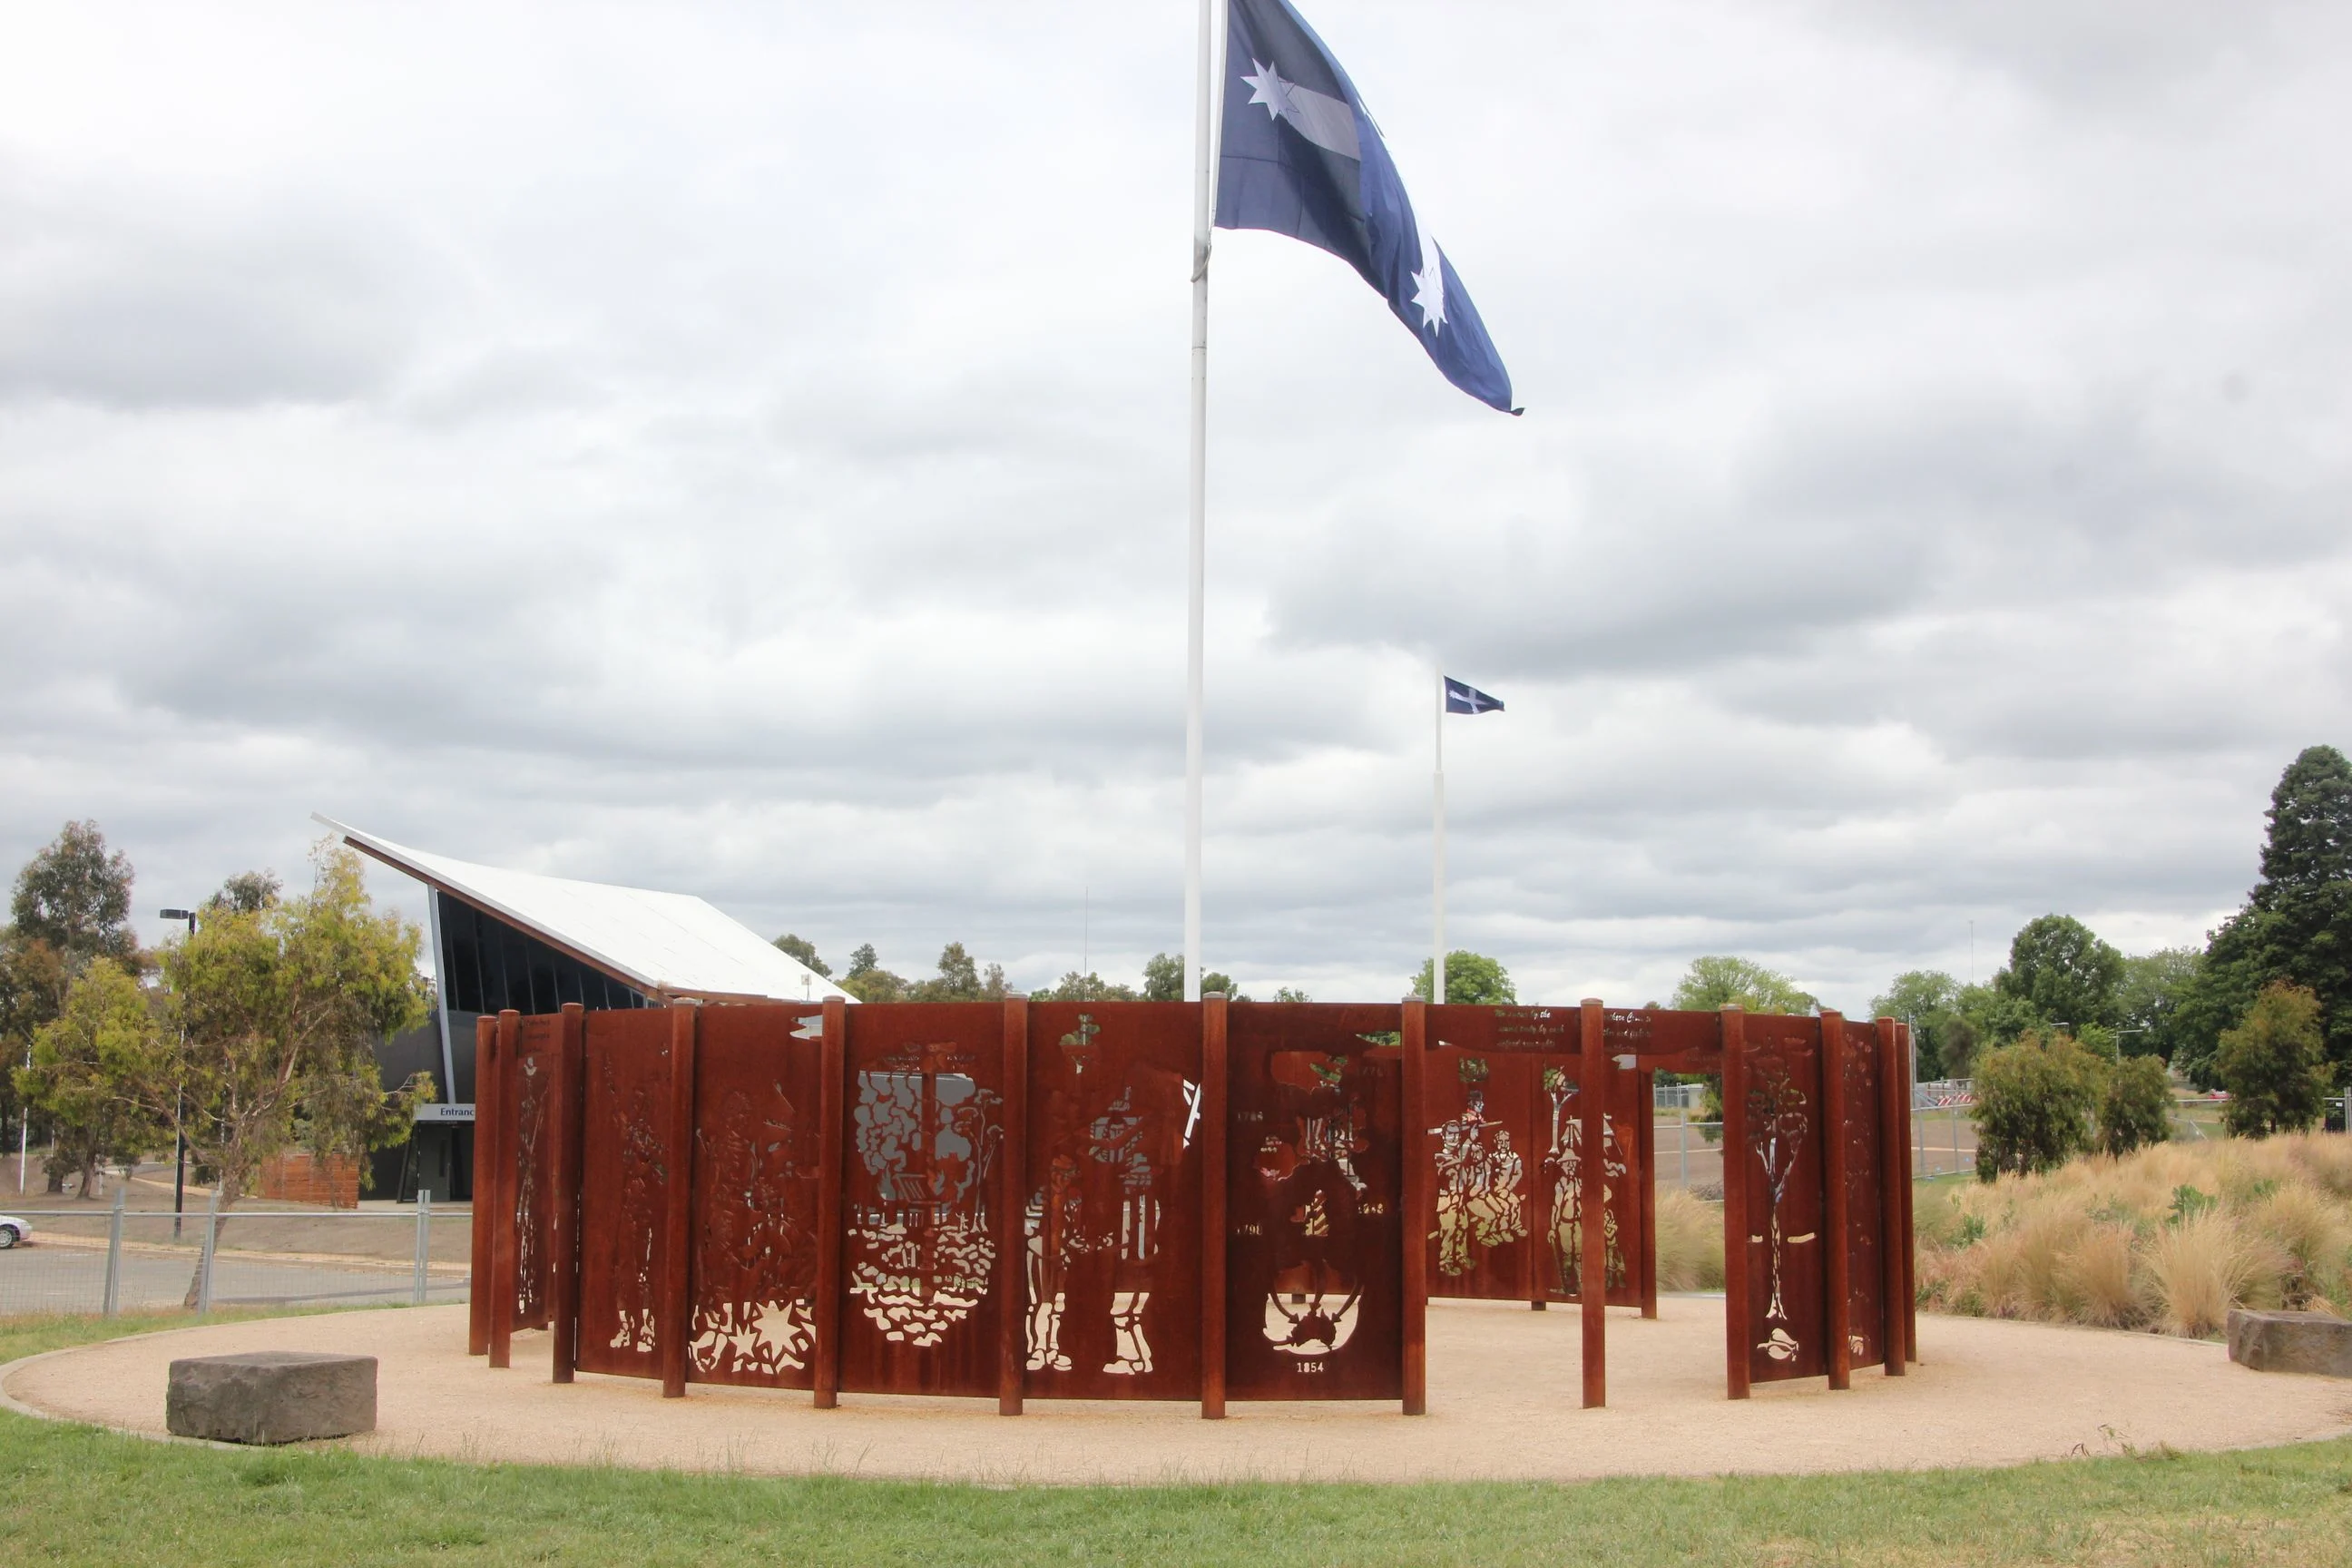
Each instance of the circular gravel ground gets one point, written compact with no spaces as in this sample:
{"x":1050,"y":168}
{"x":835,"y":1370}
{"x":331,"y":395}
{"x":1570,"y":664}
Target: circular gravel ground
{"x":1503,"y":1391}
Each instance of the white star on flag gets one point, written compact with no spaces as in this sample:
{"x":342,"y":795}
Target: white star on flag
{"x":1268,"y":87}
{"x":1429,"y":286}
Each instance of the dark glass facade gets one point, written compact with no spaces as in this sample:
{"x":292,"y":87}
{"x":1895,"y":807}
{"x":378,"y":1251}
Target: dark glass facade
{"x":488,"y":966}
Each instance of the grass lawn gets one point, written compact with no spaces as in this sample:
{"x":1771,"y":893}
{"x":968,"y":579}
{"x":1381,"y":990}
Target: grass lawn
{"x":75,"y":1495}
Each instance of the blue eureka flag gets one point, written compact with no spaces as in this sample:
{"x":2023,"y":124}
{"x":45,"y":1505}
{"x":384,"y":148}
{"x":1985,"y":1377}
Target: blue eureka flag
{"x":1465,"y":699}
{"x":1300,"y":156}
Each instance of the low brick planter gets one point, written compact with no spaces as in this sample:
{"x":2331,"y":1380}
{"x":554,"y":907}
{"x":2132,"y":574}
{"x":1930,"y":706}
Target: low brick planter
{"x":271,"y":1396}
{"x":2291,"y":1341}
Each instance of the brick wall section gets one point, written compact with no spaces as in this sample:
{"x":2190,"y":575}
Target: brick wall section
{"x":296,"y":1178}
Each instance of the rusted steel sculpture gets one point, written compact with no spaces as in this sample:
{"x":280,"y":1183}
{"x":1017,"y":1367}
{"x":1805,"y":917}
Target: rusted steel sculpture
{"x":1159,"y":1200}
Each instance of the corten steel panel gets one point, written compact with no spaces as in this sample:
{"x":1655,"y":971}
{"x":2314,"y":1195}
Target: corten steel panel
{"x":1666,"y":1040}
{"x":530,"y":1083}
{"x":1504,"y":1180}
{"x":923,"y":1136}
{"x":1480,"y":1120}
{"x":1865,"y":1182}
{"x":1112,"y":1201}
{"x":625,"y":1169}
{"x":1562,"y":1146}
{"x":1781,"y":1170}
{"x":1313,"y":1285}
{"x":757,"y":1091}
{"x":563,"y":1189}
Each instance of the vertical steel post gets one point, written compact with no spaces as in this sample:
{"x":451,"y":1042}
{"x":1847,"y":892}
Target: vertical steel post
{"x":424,"y":1240}
{"x":1594,"y":1067}
{"x":113,"y":1299}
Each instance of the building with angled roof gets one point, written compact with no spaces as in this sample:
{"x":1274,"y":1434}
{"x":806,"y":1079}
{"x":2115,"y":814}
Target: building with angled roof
{"x":505,"y":939}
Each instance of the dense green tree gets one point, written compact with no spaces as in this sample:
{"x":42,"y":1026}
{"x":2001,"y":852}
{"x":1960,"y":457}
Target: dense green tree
{"x":1163,"y":980}
{"x":33,"y":983}
{"x":1077,"y":987}
{"x":805,"y":951}
{"x":2273,"y":1064}
{"x":2059,"y":967}
{"x":1722,"y":981}
{"x":1163,"y":977}
{"x":1929,"y":1000}
{"x":1472,"y":980}
{"x":2148,"y":1004}
{"x":2309,"y":846}
{"x":869,"y":980}
{"x":76,"y":1081}
{"x":1985,"y":1017}
{"x":274,"y":1015}
{"x":1290,"y":993}
{"x":2295,"y":927}
{"x":75,"y":897}
{"x":2035,"y":1101}
{"x":2135,"y":1106}
{"x":246,"y":893}
{"x":961,"y":979}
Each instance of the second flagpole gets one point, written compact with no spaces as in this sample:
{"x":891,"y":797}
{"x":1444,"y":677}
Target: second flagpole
{"x":1437,"y":866}
{"x":1204,"y":216}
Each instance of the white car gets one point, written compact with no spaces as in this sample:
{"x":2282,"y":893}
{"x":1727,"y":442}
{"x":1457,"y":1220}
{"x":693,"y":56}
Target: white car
{"x":14,"y":1231}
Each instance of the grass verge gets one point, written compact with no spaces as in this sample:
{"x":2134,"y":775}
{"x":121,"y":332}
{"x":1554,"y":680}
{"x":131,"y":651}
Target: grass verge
{"x":75,"y":1495}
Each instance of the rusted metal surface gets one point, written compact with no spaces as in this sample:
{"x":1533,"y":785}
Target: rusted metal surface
{"x":1591,"y":1193}
{"x":1782,"y":1208}
{"x":673,"y":1301}
{"x":488,"y":1125}
{"x":1314,"y":1281}
{"x":1867,"y":1177}
{"x":563,"y":1187}
{"x":758,"y":1144}
{"x":1111,"y":1202}
{"x":1505,"y":1139}
{"x":623,"y":1188}
{"x":1159,"y":1200}
{"x":1216,"y":1121}
{"x":925,"y":1132}
{"x":529,"y":1083}
{"x":505,"y":1254}
{"x":1420,"y":1214}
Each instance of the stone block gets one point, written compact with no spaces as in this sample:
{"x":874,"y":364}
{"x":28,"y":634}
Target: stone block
{"x":2291,"y":1341}
{"x":271,"y":1396}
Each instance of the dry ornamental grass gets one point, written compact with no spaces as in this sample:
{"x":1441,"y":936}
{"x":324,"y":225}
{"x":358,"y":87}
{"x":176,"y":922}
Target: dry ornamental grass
{"x":2167,"y":1239}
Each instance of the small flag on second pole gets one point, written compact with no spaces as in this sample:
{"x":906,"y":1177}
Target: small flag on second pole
{"x":1463,"y":698}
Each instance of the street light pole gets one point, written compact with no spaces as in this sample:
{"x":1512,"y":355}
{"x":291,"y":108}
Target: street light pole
{"x":180,"y":1116}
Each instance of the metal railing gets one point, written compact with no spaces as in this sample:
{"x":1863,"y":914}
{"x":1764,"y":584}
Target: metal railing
{"x":120,"y":1259}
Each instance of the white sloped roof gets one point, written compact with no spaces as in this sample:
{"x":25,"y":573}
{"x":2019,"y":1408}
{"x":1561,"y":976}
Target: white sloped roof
{"x":665,"y":944}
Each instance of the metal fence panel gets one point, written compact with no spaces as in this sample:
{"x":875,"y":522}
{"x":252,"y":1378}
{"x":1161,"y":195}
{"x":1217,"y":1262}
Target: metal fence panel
{"x":85,"y":1258}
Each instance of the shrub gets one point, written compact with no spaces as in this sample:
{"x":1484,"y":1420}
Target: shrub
{"x":2166,"y":1239}
{"x":2034,"y":1102}
{"x":2272,"y":1064}
{"x":1690,"y":1243}
{"x":2201,"y":1268}
{"x":2137,"y":1109}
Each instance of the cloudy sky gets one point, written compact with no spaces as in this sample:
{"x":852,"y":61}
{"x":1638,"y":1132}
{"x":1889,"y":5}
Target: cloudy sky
{"x":741,"y":452}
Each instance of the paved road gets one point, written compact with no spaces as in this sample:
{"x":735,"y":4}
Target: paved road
{"x":38,"y":1279}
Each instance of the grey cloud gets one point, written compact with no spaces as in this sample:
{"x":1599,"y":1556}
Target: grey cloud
{"x":127,"y":301}
{"x":1928,"y":513}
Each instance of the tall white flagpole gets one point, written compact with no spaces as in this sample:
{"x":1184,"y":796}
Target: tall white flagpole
{"x":1437,"y":868}
{"x":1203,"y":221}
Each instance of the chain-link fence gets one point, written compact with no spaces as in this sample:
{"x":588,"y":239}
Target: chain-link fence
{"x":86,"y":1258}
